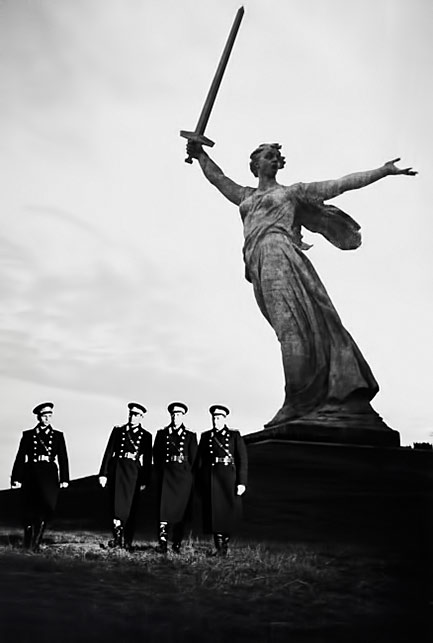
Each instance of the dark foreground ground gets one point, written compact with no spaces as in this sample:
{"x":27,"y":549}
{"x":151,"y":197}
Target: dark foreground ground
{"x":75,"y":591}
{"x":335,"y":546}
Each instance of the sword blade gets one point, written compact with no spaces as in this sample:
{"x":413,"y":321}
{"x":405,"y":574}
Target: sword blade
{"x":213,"y":90}
{"x":202,"y":122}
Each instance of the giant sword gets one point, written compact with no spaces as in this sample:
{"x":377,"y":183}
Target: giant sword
{"x":198,"y":135}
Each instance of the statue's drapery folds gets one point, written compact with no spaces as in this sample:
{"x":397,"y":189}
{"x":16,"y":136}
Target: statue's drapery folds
{"x":322,"y":363}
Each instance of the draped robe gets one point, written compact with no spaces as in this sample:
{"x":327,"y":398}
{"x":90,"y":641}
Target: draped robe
{"x":321,"y":361}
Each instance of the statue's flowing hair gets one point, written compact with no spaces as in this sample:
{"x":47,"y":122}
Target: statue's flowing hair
{"x":259,"y":149}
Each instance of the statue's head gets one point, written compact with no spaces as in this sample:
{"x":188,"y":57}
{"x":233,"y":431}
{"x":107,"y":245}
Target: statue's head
{"x":263,"y":149}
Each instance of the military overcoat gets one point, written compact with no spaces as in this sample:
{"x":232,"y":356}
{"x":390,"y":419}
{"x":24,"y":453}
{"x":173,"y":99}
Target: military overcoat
{"x":40,"y":464}
{"x":222,"y":465}
{"x":127,"y":465}
{"x":174,"y":455}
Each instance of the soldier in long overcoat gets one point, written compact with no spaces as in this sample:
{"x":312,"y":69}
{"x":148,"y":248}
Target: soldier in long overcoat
{"x":126,"y":466}
{"x":174,"y":454}
{"x":40,"y":469}
{"x":222,"y":478}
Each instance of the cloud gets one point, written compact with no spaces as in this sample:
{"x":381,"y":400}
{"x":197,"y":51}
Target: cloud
{"x":81,"y":308}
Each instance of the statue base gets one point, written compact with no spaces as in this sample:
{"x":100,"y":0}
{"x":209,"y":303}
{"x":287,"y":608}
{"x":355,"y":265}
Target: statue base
{"x":300,"y":492}
{"x":352,"y":421}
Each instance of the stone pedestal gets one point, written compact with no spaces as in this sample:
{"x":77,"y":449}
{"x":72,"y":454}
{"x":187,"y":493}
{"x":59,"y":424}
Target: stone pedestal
{"x":331,"y":433}
{"x":352,"y":421}
{"x":300,"y":492}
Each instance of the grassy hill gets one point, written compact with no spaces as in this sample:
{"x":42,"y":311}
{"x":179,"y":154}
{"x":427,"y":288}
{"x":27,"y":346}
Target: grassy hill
{"x":336,"y":545}
{"x":296,"y":492}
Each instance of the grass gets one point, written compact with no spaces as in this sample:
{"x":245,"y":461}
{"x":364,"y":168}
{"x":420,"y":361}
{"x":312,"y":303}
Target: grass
{"x":73,"y":590}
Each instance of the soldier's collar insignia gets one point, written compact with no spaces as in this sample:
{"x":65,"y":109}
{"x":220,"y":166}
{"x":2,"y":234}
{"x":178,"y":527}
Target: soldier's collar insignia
{"x":179,"y":430}
{"x":43,"y":429}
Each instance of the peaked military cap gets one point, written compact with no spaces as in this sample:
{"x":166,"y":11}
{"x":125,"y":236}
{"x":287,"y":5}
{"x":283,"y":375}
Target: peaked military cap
{"x":43,"y":408}
{"x":177,"y":406}
{"x":219,"y":409}
{"x":134,"y":406}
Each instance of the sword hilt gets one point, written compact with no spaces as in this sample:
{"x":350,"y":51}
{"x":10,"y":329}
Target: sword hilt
{"x":196,"y":138}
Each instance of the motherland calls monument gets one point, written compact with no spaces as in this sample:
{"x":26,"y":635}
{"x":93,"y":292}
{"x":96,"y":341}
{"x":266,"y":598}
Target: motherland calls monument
{"x":328,"y":383}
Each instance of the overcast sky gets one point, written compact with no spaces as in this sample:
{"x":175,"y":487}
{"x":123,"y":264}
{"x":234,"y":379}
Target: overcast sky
{"x":121,"y":267}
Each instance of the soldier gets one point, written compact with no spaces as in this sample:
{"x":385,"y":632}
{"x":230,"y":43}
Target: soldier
{"x":36,"y":472}
{"x":174,"y":454}
{"x":126,"y":466}
{"x":222,"y":472}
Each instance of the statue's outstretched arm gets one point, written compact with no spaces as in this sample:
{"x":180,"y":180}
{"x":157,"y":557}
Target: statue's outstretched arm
{"x":214,"y":174}
{"x":329,"y":189}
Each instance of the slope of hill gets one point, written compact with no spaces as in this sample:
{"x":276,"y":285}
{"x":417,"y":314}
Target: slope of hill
{"x":296,"y":492}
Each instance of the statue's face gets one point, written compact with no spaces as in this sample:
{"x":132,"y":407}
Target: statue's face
{"x":271,"y":157}
{"x":267,"y":161}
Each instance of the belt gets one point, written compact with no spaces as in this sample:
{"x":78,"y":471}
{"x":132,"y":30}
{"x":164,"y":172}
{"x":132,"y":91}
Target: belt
{"x":176,"y":458}
{"x":129,"y":456}
{"x":41,"y":458}
{"x":226,"y":460}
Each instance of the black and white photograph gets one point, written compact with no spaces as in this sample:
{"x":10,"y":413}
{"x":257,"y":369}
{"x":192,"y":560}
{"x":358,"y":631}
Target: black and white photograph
{"x":215,"y":321}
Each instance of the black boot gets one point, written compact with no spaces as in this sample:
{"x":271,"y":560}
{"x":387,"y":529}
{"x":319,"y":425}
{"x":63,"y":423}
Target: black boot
{"x":218,"y":542}
{"x":118,"y":538}
{"x":225,"y":545}
{"x":162,"y":538}
{"x":128,"y":544}
{"x":177,"y":537}
{"x":37,"y":535}
{"x":127,"y":539}
{"x":28,"y":536}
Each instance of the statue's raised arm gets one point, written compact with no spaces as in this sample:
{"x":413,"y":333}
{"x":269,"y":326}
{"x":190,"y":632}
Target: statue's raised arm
{"x":214,"y":174}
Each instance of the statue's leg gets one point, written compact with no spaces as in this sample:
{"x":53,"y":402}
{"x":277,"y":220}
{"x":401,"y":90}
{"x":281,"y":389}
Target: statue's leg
{"x":287,"y":288}
{"x":303,"y":360}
